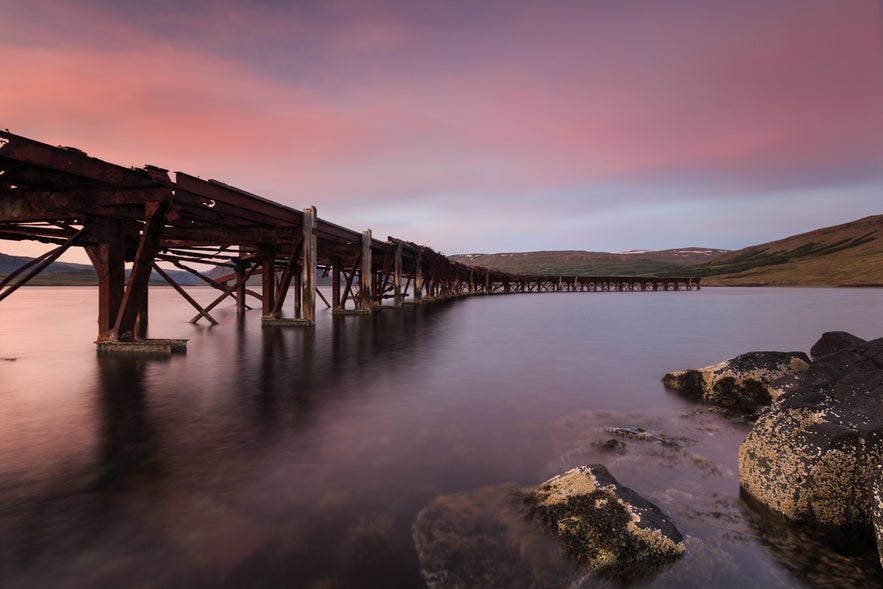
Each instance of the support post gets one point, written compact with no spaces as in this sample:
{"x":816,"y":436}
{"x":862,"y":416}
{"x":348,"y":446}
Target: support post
{"x":109,"y":260}
{"x":298,"y":278}
{"x":239,"y":267}
{"x":308,"y":267}
{"x":418,"y":277}
{"x":142,"y":318}
{"x":397,"y":275}
{"x":365,"y":274}
{"x":336,"y":266}
{"x":268,"y":282}
{"x":136,"y":290}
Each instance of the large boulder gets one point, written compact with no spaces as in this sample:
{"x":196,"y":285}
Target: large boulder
{"x":607,"y":527}
{"x":811,"y":455}
{"x":742,"y":382}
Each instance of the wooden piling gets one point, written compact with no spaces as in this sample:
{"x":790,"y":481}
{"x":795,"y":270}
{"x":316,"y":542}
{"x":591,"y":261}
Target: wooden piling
{"x":309,"y":266}
{"x":239,"y":268}
{"x":418,"y":277}
{"x":336,"y":267}
{"x":365,"y":274}
{"x":268,"y":281}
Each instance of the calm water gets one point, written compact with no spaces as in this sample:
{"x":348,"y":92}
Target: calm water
{"x":300,"y":458}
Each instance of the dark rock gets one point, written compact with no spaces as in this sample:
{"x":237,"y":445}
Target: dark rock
{"x":834,"y":341}
{"x":810,"y":457}
{"x":876,"y":492}
{"x":611,"y":444}
{"x":607,"y":527}
{"x":742,"y":382}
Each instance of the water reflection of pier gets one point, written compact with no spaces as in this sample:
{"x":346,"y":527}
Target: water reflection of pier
{"x":140,"y":216}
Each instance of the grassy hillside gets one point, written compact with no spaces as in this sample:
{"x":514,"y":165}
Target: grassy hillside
{"x":582,"y":263}
{"x":844,"y":255}
{"x":850,"y":254}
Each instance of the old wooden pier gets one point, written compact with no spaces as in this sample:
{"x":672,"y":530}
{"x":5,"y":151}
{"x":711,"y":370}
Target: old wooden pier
{"x":62,"y":197}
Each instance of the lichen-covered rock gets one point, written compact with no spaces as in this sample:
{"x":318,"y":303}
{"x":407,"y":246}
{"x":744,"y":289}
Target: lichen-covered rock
{"x":811,"y":455}
{"x":834,"y":341}
{"x":742,"y":382}
{"x":606,"y":526}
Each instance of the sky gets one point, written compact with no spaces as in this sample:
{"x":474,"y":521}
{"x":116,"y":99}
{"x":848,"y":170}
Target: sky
{"x":477,"y":126}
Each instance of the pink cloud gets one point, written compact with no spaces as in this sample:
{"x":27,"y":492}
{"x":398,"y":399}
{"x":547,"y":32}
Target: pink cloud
{"x":331,"y":104}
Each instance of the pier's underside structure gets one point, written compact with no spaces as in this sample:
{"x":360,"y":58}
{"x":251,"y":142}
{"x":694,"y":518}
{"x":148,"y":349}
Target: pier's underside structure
{"x":144,"y":219}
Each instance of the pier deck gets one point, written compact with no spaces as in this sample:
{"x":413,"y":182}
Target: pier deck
{"x":62,"y":197}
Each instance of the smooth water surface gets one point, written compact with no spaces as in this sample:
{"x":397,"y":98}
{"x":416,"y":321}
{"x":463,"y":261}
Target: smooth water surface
{"x":291,"y":457}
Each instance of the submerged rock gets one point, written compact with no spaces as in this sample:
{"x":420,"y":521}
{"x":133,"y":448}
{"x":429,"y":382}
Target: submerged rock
{"x":639,"y":433}
{"x":500,"y":536}
{"x":811,"y":456}
{"x":742,"y":382}
{"x":484,"y":538}
{"x":607,"y":527}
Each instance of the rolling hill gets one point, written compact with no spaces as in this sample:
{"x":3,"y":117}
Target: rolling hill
{"x":850,"y":254}
{"x":583,"y":263}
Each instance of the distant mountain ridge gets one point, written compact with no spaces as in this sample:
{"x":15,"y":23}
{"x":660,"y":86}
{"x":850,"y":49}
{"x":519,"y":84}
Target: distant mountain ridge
{"x":584,"y":263}
{"x":70,"y":274}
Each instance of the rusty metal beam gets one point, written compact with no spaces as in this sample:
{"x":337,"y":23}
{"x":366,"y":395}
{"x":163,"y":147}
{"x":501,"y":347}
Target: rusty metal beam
{"x":239,"y":202}
{"x":31,"y":206}
{"x":165,"y":276}
{"x":285,"y":280}
{"x":139,"y":277}
{"x":72,"y":162}
{"x":226,"y":293}
{"x":42,"y":263}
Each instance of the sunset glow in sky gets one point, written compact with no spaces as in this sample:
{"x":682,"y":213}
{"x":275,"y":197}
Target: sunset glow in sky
{"x":477,"y":126}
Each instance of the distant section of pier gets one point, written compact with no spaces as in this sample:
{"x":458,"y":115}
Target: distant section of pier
{"x":62,"y":197}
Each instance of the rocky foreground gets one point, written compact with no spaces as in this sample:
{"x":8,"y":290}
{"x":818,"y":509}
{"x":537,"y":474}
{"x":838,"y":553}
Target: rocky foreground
{"x":507,"y":536}
{"x":813,"y":458}
{"x":815,"y":454}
